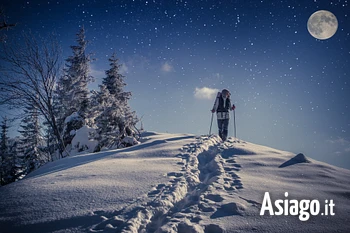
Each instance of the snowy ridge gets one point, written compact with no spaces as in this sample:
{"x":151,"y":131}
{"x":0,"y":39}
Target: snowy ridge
{"x":174,"y":183}
{"x":206,"y":188}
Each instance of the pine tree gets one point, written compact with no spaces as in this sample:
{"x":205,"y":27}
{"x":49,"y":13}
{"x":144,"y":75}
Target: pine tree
{"x":115,"y":83}
{"x":3,"y":136}
{"x":33,"y":155}
{"x":16,"y":160}
{"x":7,"y":166}
{"x":50,"y":141}
{"x":3,"y":150}
{"x":115,"y":119}
{"x":72,"y":93}
{"x":61,"y":101}
{"x":108,"y":111}
{"x":72,"y":89}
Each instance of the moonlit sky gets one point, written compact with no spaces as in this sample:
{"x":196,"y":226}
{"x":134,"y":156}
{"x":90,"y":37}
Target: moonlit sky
{"x":291,"y":90}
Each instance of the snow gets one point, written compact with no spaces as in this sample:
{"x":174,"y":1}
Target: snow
{"x":129,"y":141}
{"x":82,"y":141}
{"x":73,"y":117}
{"x":175,"y":183}
{"x":72,"y":132}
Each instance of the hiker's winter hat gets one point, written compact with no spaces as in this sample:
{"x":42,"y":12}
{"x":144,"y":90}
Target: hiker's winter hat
{"x":225,"y":92}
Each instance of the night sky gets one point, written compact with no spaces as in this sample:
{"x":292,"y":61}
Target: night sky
{"x":291,"y":90}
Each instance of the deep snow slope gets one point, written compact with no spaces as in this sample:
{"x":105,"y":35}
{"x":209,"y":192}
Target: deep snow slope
{"x":176,"y":183}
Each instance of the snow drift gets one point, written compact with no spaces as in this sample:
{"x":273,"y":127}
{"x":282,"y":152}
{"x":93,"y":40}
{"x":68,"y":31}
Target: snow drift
{"x":175,"y":183}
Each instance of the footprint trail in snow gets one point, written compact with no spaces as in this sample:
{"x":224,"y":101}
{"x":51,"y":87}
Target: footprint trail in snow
{"x":207,"y":187}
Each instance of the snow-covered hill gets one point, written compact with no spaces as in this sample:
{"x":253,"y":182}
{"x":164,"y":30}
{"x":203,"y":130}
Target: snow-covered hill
{"x":179,"y":183}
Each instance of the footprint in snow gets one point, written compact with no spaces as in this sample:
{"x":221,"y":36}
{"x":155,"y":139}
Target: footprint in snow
{"x":228,"y":187}
{"x":176,"y":174}
{"x":214,"y":197}
{"x":230,"y":161}
{"x":213,"y":228}
{"x":229,"y":169}
{"x":206,"y":207}
{"x":153,"y":193}
{"x":234,"y":175}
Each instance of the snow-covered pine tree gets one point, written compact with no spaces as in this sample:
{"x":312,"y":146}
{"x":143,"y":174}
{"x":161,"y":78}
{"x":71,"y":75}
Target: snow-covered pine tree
{"x":61,"y":100}
{"x":73,"y":86}
{"x":33,"y":155}
{"x":3,"y":136}
{"x":50,"y":141}
{"x":114,"y":81}
{"x":107,"y":109}
{"x":72,"y":94}
{"x":77,"y":76}
{"x":115,"y":119}
{"x":17,"y":161}
{"x":3,"y":150}
{"x":7,"y":165}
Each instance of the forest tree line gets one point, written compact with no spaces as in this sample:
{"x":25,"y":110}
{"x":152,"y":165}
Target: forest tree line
{"x":59,"y":114}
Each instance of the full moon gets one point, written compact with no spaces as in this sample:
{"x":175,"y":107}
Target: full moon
{"x":322,"y":24}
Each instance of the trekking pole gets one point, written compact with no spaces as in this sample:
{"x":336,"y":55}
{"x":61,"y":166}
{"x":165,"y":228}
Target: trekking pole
{"x":211,"y":122}
{"x":234,"y":122}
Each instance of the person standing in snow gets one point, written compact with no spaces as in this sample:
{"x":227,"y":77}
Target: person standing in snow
{"x":222,"y":106}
